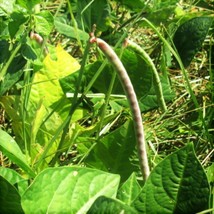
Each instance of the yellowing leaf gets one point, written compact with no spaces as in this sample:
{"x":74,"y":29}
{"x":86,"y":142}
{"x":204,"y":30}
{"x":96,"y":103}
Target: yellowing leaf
{"x":46,"y":81}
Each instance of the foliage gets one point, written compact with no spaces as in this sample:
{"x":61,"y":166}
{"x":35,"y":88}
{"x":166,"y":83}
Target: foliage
{"x":196,"y":29}
{"x":67,"y":141}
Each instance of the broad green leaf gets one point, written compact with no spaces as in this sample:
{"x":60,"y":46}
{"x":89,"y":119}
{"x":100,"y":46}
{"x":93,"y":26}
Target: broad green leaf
{"x":108,"y":205}
{"x":93,"y":12}
{"x":129,"y":191}
{"x":69,"y":31}
{"x":189,"y":37}
{"x":116,"y":152}
{"x":44,"y":23}
{"x":178,"y":184}
{"x":10,"y":148}
{"x":45,"y":84}
{"x":68,"y":190}
{"x":10,"y":200}
{"x":14,"y":178}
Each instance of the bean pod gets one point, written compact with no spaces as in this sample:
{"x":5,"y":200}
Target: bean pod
{"x":132,"y":99}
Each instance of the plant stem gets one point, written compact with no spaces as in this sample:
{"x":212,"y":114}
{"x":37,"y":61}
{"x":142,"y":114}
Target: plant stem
{"x":157,"y":82}
{"x":25,"y":94}
{"x":75,"y":103}
{"x":107,"y":97}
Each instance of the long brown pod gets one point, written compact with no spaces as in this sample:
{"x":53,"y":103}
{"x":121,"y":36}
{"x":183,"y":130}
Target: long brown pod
{"x":132,"y":99}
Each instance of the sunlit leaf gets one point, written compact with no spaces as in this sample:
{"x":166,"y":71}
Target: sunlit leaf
{"x":68,"y":190}
{"x":28,"y":4}
{"x":10,"y":148}
{"x":44,"y":23}
{"x":109,"y":205}
{"x":46,"y":82}
{"x":6,"y":7}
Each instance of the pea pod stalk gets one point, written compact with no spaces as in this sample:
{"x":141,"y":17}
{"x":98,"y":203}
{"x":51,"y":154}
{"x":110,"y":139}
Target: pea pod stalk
{"x":132,"y":99}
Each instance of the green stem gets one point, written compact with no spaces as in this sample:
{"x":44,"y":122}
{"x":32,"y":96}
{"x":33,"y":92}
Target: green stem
{"x":75,"y":103}
{"x":25,"y":94}
{"x":157,"y":81}
{"x":75,"y":26}
{"x":106,"y":102}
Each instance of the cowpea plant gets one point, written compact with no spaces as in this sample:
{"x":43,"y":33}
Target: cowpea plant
{"x":132,"y":99}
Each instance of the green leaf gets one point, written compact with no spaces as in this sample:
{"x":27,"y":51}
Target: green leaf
{"x":68,"y":190}
{"x":178,"y":184}
{"x":14,"y":71}
{"x":46,"y":80}
{"x":69,"y":31}
{"x":116,"y":152}
{"x":15,"y":25}
{"x":150,"y":101}
{"x":9,"y":80}
{"x":139,"y":71}
{"x":4,"y":53}
{"x":14,"y":178}
{"x":161,"y":15}
{"x":28,"y":4}
{"x":108,"y":205}
{"x":44,"y":23}
{"x":129,"y":191}
{"x":92,"y":12}
{"x":6,"y":7}
{"x":11,"y":149}
{"x":28,"y":52}
{"x":189,"y":37}
{"x":10,"y":200}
